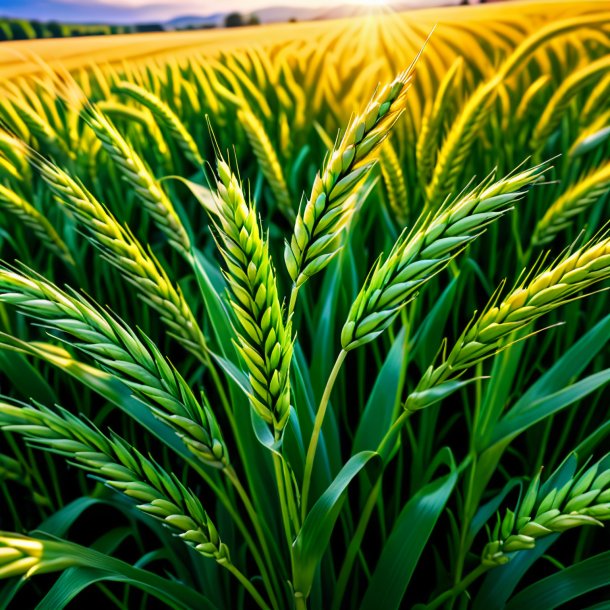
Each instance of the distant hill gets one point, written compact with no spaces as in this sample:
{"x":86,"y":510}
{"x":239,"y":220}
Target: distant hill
{"x":214,"y":19}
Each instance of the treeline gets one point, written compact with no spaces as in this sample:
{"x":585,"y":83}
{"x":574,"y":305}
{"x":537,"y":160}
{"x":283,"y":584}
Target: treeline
{"x":24,"y":29}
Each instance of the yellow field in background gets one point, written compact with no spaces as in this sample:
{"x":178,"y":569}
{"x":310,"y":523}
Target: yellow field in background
{"x":17,"y":57}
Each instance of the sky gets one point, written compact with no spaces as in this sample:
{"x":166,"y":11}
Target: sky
{"x":120,"y":11}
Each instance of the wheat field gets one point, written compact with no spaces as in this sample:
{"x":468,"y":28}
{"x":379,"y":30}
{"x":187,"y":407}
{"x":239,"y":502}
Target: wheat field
{"x":309,"y":315}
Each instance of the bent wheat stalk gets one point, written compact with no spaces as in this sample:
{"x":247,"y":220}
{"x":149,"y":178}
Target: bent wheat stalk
{"x":145,"y":185}
{"x":167,"y":118}
{"x":122,"y":250}
{"x":123,"y":468}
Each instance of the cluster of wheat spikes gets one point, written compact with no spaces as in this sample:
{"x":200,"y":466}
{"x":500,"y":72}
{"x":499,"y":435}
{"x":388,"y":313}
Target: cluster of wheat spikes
{"x":297,"y":379}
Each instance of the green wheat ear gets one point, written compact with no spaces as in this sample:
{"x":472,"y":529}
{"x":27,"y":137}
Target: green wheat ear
{"x":319,"y":225}
{"x":548,"y":290}
{"x":157,"y":493}
{"x":264,"y":341}
{"x":583,"y":500}
{"x":416,"y":257}
{"x":119,"y":350}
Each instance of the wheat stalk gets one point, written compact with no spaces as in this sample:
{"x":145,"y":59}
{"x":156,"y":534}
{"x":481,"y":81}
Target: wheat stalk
{"x":36,"y":222}
{"x":432,"y":121}
{"x":583,"y":500}
{"x":139,"y":176}
{"x":40,"y":128}
{"x":123,"y":250}
{"x":320,"y":223}
{"x":556,"y":108}
{"x":117,"y":349}
{"x":418,"y":256}
{"x":166,"y":117}
{"x":267,"y":159}
{"x":543,"y":293}
{"x":394,"y":180}
{"x":264,"y":341}
{"x":451,"y":157}
{"x":122,"y":467}
{"x":571,"y":203}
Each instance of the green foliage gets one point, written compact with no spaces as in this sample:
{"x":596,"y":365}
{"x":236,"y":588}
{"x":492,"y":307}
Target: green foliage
{"x":238,"y":379}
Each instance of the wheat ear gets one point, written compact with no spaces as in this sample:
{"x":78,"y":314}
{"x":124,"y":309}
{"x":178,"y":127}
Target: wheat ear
{"x":40,"y":128}
{"x":264,"y":340}
{"x":418,"y":256}
{"x":432,"y":122}
{"x":145,"y":185}
{"x":583,"y":500}
{"x":571,"y":203}
{"x":36,"y":222}
{"x":320,"y":223}
{"x":558,"y":104}
{"x":123,"y":468}
{"x":117,"y":349}
{"x":122,"y":250}
{"x":394,"y":180}
{"x":545,"y":292}
{"x":458,"y":143}
{"x":166,"y":117}
{"x":267,"y":160}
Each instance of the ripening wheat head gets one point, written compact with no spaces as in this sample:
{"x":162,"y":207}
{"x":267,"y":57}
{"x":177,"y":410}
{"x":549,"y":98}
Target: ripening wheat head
{"x":319,"y":224}
{"x":545,"y":292}
{"x":582,"y":500}
{"x":139,"y":177}
{"x":122,"y":250}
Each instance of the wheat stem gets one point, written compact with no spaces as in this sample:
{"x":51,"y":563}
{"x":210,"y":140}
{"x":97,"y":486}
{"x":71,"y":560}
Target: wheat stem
{"x":317,"y":429}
